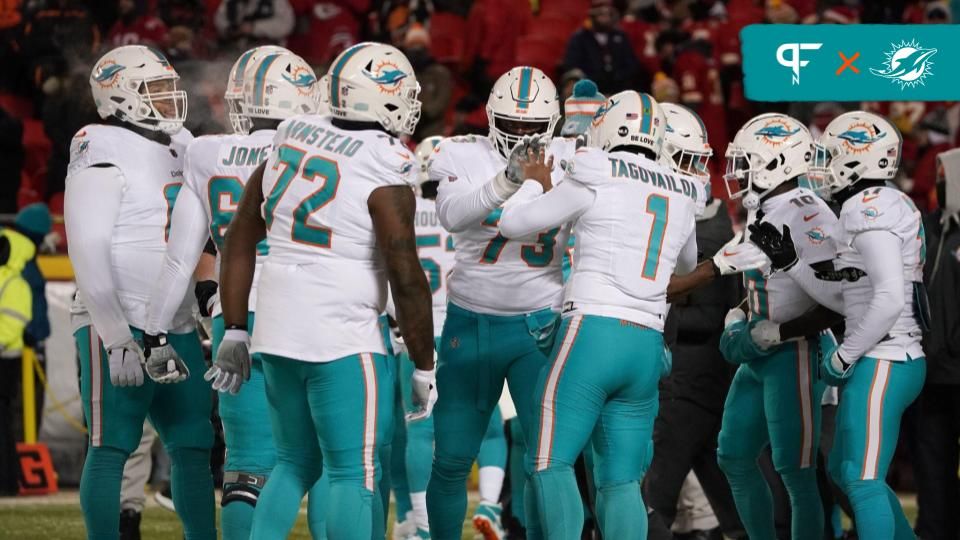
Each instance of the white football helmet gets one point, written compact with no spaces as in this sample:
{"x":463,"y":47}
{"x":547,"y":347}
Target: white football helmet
{"x":854,"y":146}
{"x":767,"y":151}
{"x":423,"y":151}
{"x":523,"y":101}
{"x":373,"y":82}
{"x":685,"y":147}
{"x":629,"y":119}
{"x":138,"y":85}
{"x":278,"y":86}
{"x":234,"y":92}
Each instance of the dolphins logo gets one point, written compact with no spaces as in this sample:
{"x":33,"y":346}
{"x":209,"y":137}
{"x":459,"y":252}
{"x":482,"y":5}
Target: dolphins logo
{"x":907,"y":64}
{"x":387,"y":77}
{"x":776,"y":132}
{"x":859,"y":137}
{"x":602,"y":112}
{"x":302,"y":79}
{"x":106,"y":75}
{"x":816,"y":236}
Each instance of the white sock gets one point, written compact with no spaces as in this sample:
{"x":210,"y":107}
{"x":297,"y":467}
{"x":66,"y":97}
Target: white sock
{"x":419,"y":503}
{"x":491,"y":482}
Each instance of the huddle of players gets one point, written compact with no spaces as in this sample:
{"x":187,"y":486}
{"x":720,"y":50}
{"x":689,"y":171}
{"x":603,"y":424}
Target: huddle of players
{"x":321,"y":218}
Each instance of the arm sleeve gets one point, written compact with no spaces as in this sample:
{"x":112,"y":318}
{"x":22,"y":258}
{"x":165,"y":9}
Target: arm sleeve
{"x":530,"y":210}
{"x":687,"y":260}
{"x":279,"y":25}
{"x":91,"y":207}
{"x":827,"y":293}
{"x":883,"y":263}
{"x":461,"y":204}
{"x":188,"y":234}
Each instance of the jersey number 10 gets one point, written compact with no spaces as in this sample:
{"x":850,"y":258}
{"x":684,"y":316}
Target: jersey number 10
{"x":293,"y":162}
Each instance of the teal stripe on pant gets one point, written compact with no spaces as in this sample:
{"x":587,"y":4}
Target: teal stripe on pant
{"x":600,"y":387}
{"x":326,"y":416}
{"x":477,"y":354}
{"x":179,"y":412}
{"x":774,"y":398}
{"x":248,"y":438}
{"x":872,"y":402}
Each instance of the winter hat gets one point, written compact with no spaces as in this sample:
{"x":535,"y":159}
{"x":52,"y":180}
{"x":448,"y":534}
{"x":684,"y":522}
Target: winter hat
{"x":580,"y":108}
{"x":34,"y":221}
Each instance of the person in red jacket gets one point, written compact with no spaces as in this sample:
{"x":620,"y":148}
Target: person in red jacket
{"x":134,"y":27}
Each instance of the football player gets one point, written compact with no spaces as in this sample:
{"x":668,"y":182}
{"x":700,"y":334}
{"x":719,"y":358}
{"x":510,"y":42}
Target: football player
{"x":335,"y":202}
{"x":123,"y":179}
{"x":266,"y":85}
{"x":775,"y":395}
{"x":503,"y":296}
{"x":603,"y":374}
{"x":880,"y":367}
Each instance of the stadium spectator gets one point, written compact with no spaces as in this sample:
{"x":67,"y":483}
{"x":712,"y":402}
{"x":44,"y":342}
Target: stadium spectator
{"x":493,"y":28}
{"x":68,"y":108}
{"x":436,"y":83}
{"x":254,"y":21}
{"x":325,"y":29}
{"x":12,"y":156}
{"x":15,"y":312}
{"x":57,"y":36}
{"x":604,"y":52}
{"x":939,"y":406}
{"x":133,"y":26}
{"x":934,"y":139}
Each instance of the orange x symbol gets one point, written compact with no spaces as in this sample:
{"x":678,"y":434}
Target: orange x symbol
{"x":848,"y":63}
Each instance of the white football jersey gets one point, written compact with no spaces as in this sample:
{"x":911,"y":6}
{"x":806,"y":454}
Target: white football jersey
{"x":629,"y":240}
{"x":885,"y":209}
{"x":323,"y":286}
{"x":435,"y":246}
{"x":813,"y":228}
{"x":215,"y":169}
{"x":154,"y":176}
{"x":493,"y":275}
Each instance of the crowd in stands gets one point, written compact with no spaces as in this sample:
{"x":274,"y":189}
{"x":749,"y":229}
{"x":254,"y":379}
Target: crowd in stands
{"x":685,"y":51}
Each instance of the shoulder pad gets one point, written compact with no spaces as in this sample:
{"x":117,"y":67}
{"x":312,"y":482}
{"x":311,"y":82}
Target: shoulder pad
{"x":876,"y":209}
{"x":590,"y":166}
{"x":399,"y":162}
{"x":95,"y":144}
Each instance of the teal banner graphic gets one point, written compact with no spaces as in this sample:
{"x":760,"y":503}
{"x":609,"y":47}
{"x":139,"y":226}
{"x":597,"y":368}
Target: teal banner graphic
{"x":829,"y":62}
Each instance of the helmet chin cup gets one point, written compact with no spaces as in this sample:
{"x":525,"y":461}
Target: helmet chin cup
{"x":751,"y":201}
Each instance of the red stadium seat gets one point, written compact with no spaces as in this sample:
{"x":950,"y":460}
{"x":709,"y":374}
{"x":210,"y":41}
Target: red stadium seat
{"x":572,"y":8}
{"x":16,"y":106}
{"x":558,"y":26}
{"x":543,"y":52}
{"x":447,"y":37}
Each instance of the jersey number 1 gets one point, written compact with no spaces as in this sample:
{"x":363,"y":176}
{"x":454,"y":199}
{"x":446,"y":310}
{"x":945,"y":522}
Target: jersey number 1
{"x":658,"y":206}
{"x":291,"y":159}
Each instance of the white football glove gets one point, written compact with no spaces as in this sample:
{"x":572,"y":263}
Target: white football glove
{"x":734,"y":315}
{"x":736,"y":257}
{"x":424,"y":385}
{"x":766,"y":334}
{"x":231,"y":368}
{"x":126,"y":364}
{"x":162,"y":362}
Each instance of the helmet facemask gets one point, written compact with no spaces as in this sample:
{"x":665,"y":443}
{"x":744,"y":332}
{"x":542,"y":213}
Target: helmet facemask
{"x":159,"y":105}
{"x":506,"y":132}
{"x":741,"y":169}
{"x":692,"y":163}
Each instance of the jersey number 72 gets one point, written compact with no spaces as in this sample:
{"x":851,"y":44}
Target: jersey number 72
{"x":294,"y":161}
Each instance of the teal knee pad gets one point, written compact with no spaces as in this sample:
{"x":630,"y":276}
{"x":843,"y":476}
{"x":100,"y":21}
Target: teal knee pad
{"x":240,"y":494}
{"x":350,"y":515}
{"x":317,"y":499}
{"x":558,"y":503}
{"x":620,"y":511}
{"x":736,"y":466}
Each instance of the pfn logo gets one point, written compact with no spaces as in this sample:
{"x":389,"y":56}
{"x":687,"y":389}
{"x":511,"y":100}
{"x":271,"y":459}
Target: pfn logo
{"x":794,"y":62}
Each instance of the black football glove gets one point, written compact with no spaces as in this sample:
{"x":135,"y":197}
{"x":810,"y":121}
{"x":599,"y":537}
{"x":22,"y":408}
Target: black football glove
{"x":206,"y":292}
{"x":778,"y":246}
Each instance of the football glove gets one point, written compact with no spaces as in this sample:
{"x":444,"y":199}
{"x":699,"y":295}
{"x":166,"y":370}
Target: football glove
{"x":835,"y":369}
{"x":766,"y":334}
{"x":737,"y":256}
{"x":231,"y":368}
{"x":206,"y":293}
{"x":162,"y":362}
{"x":776,"y":244}
{"x":424,"y":385}
{"x":126,"y":364}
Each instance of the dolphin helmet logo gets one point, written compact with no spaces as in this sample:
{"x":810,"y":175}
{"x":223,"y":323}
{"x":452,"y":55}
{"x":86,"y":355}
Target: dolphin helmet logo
{"x":859,"y":137}
{"x":907,"y":64}
{"x":301,"y":79}
{"x":387,"y":77}
{"x":602,"y":112}
{"x":107,"y":74}
{"x":776,"y":132}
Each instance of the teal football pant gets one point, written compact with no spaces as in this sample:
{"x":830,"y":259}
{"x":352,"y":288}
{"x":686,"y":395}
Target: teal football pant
{"x":600,"y":387}
{"x":250,"y":450}
{"x":332,"y":417}
{"x":774,"y":398}
{"x":872,"y":401}
{"x":493,"y":449}
{"x":181,"y":415}
{"x":477,"y":353}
